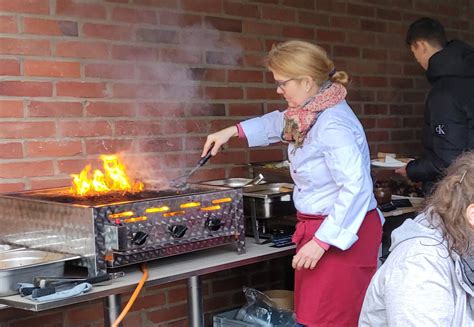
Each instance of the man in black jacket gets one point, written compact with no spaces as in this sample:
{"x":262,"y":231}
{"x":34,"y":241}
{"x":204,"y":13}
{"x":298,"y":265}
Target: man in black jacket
{"x":449,"y":109}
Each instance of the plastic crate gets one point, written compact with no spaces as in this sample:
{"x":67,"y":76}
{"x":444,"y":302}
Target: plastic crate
{"x":227,"y":319}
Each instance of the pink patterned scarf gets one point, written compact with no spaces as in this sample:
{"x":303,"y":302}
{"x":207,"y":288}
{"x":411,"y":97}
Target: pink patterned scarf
{"x":299,"y":120}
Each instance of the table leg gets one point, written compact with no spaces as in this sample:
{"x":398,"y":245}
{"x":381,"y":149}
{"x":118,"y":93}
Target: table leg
{"x":112,"y":308}
{"x":195,"y":313}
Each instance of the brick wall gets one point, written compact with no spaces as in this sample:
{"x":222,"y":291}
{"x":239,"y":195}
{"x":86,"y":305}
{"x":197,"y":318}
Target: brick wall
{"x":151,"y":78}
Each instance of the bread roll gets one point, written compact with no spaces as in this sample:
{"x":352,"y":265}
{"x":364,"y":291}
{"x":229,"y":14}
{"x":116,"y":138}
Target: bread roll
{"x":383,"y":155}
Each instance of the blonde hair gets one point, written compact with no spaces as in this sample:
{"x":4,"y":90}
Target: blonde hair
{"x":297,"y":59}
{"x":453,"y":194}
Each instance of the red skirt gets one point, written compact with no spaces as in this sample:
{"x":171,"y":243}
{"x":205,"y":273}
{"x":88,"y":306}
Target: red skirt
{"x":331,"y":294}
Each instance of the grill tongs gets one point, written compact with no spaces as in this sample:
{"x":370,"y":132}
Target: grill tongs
{"x":182,"y":181}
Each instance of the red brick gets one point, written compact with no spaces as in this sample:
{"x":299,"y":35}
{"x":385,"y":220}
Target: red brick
{"x":207,"y":6}
{"x":136,"y":91}
{"x":53,"y":148}
{"x":305,"y":4}
{"x":138,"y":128}
{"x":261,"y":28}
{"x":81,"y":89}
{"x":80,"y":9}
{"x":72,"y":166}
{"x":360,"y":10}
{"x":206,"y":109}
{"x":402,"y":135}
{"x":19,"y":130}
{"x":330,"y":36}
{"x":149,"y":302}
{"x":11,"y":108}
{"x":241,"y":9}
{"x":11,"y":150}
{"x":9,"y":67}
{"x":134,"y":15}
{"x":182,"y":56}
{"x":207,"y":74}
{"x":330,"y":5}
{"x":224,"y":92}
{"x":26,"y":169}
{"x":8,"y":24}
{"x":157,"y":109}
{"x":223,"y":58}
{"x":389,"y":14}
{"x":11,"y":187}
{"x":109,"y":32}
{"x":298,"y":32}
{"x":135,"y":53}
{"x":25,"y":47}
{"x":268,"y":154}
{"x":247,"y":109}
{"x":77,"y":49}
{"x":157,"y":36}
{"x":377,"y":136}
{"x":49,"y":27}
{"x":28,"y":89}
{"x":110,"y":109}
{"x":346,"y":52}
{"x":179,"y":19}
{"x":376,"y":54}
{"x":278,"y":14}
{"x":84,"y":128}
{"x":109,"y":71}
{"x":409,"y":97}
{"x":375,"y":109}
{"x":160,"y":145}
{"x":389,"y":122}
{"x":361,"y":38}
{"x":50,"y":183}
{"x":345,"y":22}
{"x":171,"y":4}
{"x":54,"y":109}
{"x":167,"y":314}
{"x":109,"y":146}
{"x":224,"y":24}
{"x":373,"y":25}
{"x":51,"y":68}
{"x":256,"y":93}
{"x":25,"y":6}
{"x":90,"y":313}
{"x":373,"y":81}
{"x":245,"y":76}
{"x":313,"y":19}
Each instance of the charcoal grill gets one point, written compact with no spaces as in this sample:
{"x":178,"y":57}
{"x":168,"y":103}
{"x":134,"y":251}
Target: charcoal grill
{"x":119,"y":229}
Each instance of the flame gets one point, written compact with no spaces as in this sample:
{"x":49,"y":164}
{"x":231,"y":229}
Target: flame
{"x":113,"y":178}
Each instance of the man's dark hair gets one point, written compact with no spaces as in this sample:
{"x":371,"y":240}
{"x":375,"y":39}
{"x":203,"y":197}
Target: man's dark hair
{"x":426,"y":29}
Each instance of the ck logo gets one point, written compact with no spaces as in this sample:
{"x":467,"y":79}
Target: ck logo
{"x":440,"y":130}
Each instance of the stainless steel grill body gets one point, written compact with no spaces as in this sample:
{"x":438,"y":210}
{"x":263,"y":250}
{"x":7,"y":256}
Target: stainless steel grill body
{"x":121,"y":233}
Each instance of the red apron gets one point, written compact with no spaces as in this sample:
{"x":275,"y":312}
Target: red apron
{"x":331,"y":294}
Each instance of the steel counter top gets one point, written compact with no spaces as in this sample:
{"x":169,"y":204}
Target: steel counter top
{"x":166,"y":270}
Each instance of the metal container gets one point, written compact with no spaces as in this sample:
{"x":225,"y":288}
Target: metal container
{"x":234,"y":182}
{"x":270,"y":200}
{"x":22,"y":266}
{"x":119,"y":229}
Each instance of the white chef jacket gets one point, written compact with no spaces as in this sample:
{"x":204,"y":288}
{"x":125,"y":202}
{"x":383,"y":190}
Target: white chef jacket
{"x":331,"y":171}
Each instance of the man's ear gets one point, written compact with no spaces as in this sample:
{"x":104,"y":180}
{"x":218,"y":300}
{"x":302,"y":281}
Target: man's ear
{"x":470,"y":214}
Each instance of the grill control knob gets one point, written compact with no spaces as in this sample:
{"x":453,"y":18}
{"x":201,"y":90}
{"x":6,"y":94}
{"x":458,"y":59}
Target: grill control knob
{"x":139,"y":238}
{"x":177,"y":231}
{"x":213,"y":224}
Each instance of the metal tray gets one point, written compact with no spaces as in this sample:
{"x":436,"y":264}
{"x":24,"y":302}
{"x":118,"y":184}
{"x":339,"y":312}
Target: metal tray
{"x":234,"y":182}
{"x":8,"y":248}
{"x":269,"y":190}
{"x":22,"y":266}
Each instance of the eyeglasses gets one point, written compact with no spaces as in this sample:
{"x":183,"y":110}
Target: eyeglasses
{"x":282,"y":84}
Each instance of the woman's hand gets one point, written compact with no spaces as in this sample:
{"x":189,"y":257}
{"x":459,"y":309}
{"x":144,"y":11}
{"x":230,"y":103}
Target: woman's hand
{"x":216,"y":140}
{"x":308,"y":256}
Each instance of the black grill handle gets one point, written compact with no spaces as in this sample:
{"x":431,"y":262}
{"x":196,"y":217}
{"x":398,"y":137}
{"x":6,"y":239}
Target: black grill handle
{"x":204,"y":159}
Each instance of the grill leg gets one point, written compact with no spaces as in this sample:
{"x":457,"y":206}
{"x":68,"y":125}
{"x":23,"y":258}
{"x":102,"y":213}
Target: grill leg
{"x":112,"y":308}
{"x":195,"y":314}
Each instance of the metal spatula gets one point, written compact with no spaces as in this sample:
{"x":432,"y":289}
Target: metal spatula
{"x":182,"y":181}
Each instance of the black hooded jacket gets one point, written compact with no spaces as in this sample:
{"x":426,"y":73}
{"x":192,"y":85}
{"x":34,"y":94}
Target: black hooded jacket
{"x":449,"y":113}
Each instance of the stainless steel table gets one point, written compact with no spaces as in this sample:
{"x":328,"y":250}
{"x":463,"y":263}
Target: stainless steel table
{"x":188,"y":266}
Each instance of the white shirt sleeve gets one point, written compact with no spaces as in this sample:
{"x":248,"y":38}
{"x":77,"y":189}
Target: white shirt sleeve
{"x":270,"y":124}
{"x":344,"y":160}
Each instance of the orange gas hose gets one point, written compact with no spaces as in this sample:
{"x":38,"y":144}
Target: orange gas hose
{"x":133,"y":297}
